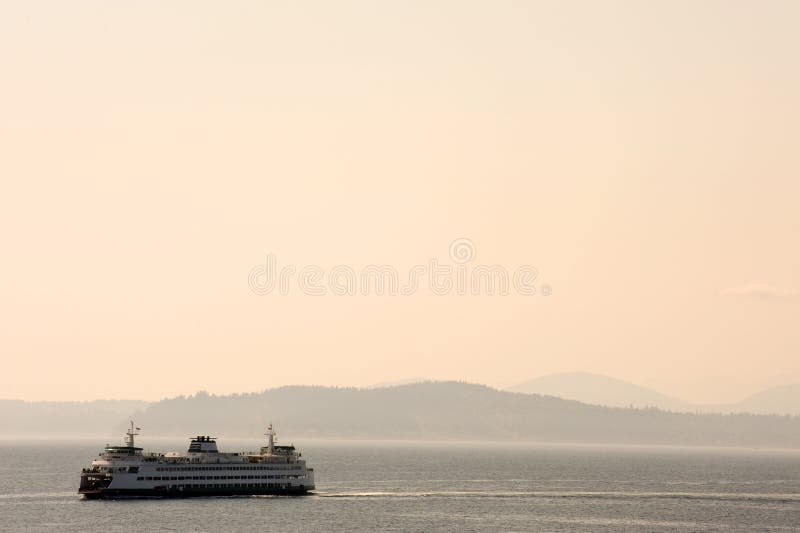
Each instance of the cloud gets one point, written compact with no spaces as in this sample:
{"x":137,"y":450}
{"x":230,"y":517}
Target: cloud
{"x":759,"y":290}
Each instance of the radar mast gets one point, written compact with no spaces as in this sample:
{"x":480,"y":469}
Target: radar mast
{"x":130,"y":434}
{"x":270,"y":439}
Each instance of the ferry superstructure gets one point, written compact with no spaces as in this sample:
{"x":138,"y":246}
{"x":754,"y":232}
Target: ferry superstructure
{"x":126,"y":471}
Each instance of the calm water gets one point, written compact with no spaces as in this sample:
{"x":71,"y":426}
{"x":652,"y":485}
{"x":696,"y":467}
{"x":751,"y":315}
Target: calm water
{"x":426,"y":487}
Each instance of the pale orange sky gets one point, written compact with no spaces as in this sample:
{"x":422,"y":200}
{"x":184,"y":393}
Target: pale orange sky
{"x":642,"y":155}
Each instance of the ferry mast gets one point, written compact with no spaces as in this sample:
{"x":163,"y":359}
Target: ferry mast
{"x":270,"y":439}
{"x":130,"y":434}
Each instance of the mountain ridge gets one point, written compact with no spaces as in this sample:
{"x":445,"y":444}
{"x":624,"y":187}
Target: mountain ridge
{"x":431,"y":410}
{"x":455,"y":411}
{"x":598,"y":389}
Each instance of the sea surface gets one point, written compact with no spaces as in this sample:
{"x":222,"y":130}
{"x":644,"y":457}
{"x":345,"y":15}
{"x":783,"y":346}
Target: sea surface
{"x":391,"y":486}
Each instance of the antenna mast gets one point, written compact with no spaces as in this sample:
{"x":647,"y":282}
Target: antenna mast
{"x":130,"y":434}
{"x":270,"y":439}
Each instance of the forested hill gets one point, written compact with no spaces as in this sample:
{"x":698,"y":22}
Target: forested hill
{"x":453,"y":411}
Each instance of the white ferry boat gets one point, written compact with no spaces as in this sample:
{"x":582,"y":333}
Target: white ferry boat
{"x":124,"y":471}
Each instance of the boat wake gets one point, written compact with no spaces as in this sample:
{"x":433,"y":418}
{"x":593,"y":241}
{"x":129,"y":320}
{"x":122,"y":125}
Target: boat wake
{"x":615,"y":495}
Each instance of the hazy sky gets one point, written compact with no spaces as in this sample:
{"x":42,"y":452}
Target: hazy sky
{"x":643,"y":156}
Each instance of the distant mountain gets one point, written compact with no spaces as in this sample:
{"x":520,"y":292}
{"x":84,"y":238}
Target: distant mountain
{"x":408,"y":381}
{"x":98,"y":417}
{"x":428,"y":410}
{"x":597,"y":389}
{"x":783,"y":400}
{"x":453,"y":410}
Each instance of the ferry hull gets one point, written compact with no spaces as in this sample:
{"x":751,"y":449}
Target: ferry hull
{"x":94,"y":494}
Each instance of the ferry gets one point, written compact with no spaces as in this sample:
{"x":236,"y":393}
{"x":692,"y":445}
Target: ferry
{"x":127,"y":471}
